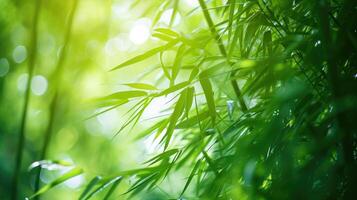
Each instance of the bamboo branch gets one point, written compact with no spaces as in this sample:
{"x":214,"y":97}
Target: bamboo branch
{"x":223,"y":51}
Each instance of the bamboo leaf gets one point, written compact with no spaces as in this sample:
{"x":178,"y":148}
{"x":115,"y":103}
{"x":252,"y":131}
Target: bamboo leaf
{"x":212,"y":70}
{"x":193,"y":172}
{"x":143,"y":86}
{"x":189,"y":100}
{"x":193,"y":74}
{"x":178,"y":110}
{"x":174,"y":12}
{"x":162,"y":37}
{"x":72,"y":173}
{"x":104,"y":185}
{"x":192,"y":121}
{"x":151,"y":129}
{"x":207,"y":89}
{"x":231,"y":4}
{"x":168,"y":32}
{"x":126,"y":94}
{"x":162,"y":156}
{"x":145,"y":55}
{"x":267,"y":42}
{"x":174,"y":88}
{"x":177,"y":63}
{"x":111,"y":190}
{"x":90,"y":186}
{"x":160,"y":12}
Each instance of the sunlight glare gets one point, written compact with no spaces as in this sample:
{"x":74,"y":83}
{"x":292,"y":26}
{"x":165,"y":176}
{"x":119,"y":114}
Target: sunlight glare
{"x":166,"y":17}
{"x":75,"y":182}
{"x":140,"y":32}
{"x":192,"y":3}
{"x":117,"y":44}
{"x":156,"y":107}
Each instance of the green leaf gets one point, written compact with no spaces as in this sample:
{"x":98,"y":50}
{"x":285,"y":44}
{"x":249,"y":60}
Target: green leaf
{"x":168,"y":32}
{"x":192,"y":121}
{"x":143,"y":182}
{"x":267,"y":42}
{"x":72,"y":173}
{"x":139,"y":171}
{"x":162,"y":156}
{"x":142,"y":86}
{"x":104,"y":185}
{"x":174,"y":12}
{"x":174,"y":88}
{"x":231,"y":4}
{"x":110,"y":102}
{"x":114,"y":186}
{"x":178,"y":110}
{"x":193,"y":172}
{"x":118,"y":103}
{"x":90,"y":186}
{"x":145,"y":55}
{"x":189,"y":100}
{"x":177,"y":63}
{"x":151,"y":129}
{"x":162,"y":37}
{"x":127,"y":94}
{"x":160,"y":12}
{"x":212,"y":70}
{"x":207,"y":89}
{"x":193,"y":74}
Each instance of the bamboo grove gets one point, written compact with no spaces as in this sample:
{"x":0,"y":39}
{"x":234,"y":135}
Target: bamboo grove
{"x":257,"y":100}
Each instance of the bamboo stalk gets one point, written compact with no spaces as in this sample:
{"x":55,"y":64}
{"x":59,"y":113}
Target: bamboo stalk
{"x":54,"y":102}
{"x":23,"y":122}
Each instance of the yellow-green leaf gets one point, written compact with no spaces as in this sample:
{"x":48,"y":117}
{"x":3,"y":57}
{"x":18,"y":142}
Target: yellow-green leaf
{"x":207,"y":89}
{"x":142,"y":86}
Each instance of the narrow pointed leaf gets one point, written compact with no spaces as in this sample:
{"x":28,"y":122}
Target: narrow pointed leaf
{"x":72,"y":173}
{"x":189,"y":100}
{"x":103,"y":186}
{"x":112,"y":189}
{"x":127,"y":94}
{"x":145,"y":55}
{"x":143,"y":86}
{"x":174,"y":88}
{"x":177,"y":63}
{"x":178,"y":110}
{"x":207,"y":89}
{"x":193,"y":172}
{"x":168,"y":32}
{"x":90,"y":186}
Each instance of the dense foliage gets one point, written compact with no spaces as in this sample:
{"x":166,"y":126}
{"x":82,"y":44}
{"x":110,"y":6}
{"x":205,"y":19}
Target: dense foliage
{"x":255,"y":99}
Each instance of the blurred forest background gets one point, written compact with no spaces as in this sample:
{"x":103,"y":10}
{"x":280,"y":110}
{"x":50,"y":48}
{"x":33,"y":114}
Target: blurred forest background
{"x":178,"y":99}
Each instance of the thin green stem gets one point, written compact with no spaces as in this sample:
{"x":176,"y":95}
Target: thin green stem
{"x":31,"y":67}
{"x":54,"y":102}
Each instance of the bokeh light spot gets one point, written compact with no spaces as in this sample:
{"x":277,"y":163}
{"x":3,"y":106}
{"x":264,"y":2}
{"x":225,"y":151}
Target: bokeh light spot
{"x":22,"y":82}
{"x":19,"y":54}
{"x":39,"y":85}
{"x":4,"y":67}
{"x":192,"y":3}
